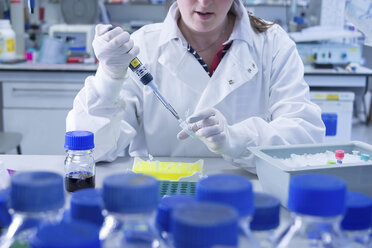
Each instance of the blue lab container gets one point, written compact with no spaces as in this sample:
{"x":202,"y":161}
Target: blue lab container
{"x":265,"y":219}
{"x":235,"y":191}
{"x":357,"y":220}
{"x":266,"y":214}
{"x":330,"y":122}
{"x":36,"y":198}
{"x":317,"y":203}
{"x":72,"y":235}
{"x":130,"y":201}
{"x":163,"y":216}
{"x":229,"y":189}
{"x":86,"y":205}
{"x":166,"y":206}
{"x":204,"y":225}
{"x":80,"y":167}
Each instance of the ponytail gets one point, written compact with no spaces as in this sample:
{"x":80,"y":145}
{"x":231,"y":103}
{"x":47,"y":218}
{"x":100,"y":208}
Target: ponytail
{"x":258,"y":24}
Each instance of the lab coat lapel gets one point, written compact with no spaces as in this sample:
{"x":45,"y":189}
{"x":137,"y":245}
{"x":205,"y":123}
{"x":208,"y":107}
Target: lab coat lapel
{"x":186,"y":68}
{"x":235,"y":69}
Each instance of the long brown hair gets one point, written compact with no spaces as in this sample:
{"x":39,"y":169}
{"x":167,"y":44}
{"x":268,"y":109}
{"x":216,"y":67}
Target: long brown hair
{"x":259,"y":24}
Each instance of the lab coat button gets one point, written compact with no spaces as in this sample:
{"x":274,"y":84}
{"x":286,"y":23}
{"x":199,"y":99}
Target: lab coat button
{"x":231,"y":81}
{"x":249,"y":70}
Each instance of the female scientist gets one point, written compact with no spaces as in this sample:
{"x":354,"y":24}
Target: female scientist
{"x":240,"y":79}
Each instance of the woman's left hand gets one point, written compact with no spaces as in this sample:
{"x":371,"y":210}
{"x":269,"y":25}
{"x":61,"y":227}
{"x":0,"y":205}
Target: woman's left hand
{"x":211,"y":127}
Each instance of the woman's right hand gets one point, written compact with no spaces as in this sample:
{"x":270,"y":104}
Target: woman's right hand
{"x":114,"y":50}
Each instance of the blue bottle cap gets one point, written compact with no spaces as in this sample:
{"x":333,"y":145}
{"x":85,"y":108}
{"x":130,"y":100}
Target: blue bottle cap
{"x":4,"y":214}
{"x":36,"y":191}
{"x":266,"y":213}
{"x":358,"y":212}
{"x":166,"y":206}
{"x":72,"y":235}
{"x":79,"y":140}
{"x":204,"y":224}
{"x":87,"y":205}
{"x":130,"y":193}
{"x":317,"y":195}
{"x":233,"y":190}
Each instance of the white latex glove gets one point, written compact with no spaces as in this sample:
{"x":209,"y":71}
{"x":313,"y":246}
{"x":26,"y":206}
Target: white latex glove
{"x":211,"y":127}
{"x":114,"y":49}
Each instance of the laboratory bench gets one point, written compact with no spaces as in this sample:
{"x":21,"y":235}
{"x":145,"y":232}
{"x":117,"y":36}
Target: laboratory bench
{"x":35,"y":98}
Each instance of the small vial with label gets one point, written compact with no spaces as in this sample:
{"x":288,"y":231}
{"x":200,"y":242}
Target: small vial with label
{"x":339,"y":154}
{"x":79,"y":162}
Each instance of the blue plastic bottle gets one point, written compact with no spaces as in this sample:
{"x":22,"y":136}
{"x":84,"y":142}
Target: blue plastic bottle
{"x":4,"y":211}
{"x":235,"y":191}
{"x":36,"y":199}
{"x":70,"y":235}
{"x":130,"y":202}
{"x":204,"y":225}
{"x":357,"y":220}
{"x":266,"y":219}
{"x":317,"y":203}
{"x":86,"y":205}
{"x":80,"y":167}
{"x":163,"y":215}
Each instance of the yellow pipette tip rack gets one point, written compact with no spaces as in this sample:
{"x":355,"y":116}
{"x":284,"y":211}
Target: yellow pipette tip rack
{"x":173,"y":171}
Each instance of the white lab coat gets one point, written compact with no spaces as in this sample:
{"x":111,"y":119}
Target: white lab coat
{"x":258,"y":86}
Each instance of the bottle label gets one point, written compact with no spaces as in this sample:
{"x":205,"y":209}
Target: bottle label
{"x":2,"y":44}
{"x":10,"y":45}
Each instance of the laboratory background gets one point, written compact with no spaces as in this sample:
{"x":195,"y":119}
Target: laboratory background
{"x":46,"y":54}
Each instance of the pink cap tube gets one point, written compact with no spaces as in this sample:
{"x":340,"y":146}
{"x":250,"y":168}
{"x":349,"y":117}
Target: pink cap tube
{"x":339,"y":154}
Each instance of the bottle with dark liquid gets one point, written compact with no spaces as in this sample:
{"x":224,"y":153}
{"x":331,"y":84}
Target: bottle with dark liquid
{"x":79,"y":162}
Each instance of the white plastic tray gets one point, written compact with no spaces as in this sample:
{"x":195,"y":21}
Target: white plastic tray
{"x":275,"y":176}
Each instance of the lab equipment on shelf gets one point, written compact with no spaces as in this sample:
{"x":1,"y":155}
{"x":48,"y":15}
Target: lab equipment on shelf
{"x":266,"y":219}
{"x":357,"y":219}
{"x":35,"y":198}
{"x":85,"y":205}
{"x":317,"y":203}
{"x":163,"y":216}
{"x":71,"y":235}
{"x":130,"y":201}
{"x":7,"y":42}
{"x":235,"y":191}
{"x":80,"y":167}
{"x":204,"y":224}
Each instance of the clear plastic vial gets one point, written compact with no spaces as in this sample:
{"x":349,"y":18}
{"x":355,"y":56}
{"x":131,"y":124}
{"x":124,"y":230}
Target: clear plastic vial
{"x":204,"y":225}
{"x":4,"y":211}
{"x":130,"y":201}
{"x":80,"y":167}
{"x":317,"y":203}
{"x":7,"y":41}
{"x":76,"y":234}
{"x":266,"y":219}
{"x":235,"y":191}
{"x":36,"y":199}
{"x":357,"y":220}
{"x":85,"y":205}
{"x":163,"y":215}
